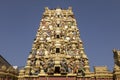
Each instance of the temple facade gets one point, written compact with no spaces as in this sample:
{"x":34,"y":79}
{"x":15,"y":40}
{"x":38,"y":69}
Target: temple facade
{"x":57,"y":51}
{"x":58,"y":54}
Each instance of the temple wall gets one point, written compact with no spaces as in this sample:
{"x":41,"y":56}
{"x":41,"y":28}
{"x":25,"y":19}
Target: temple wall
{"x":66,"y":78}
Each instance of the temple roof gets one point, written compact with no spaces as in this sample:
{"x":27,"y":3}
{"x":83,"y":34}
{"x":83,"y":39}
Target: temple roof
{"x":3,"y":61}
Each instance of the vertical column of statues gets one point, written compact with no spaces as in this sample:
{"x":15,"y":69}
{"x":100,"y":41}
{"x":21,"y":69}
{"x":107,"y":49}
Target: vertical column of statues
{"x":116,"y":71}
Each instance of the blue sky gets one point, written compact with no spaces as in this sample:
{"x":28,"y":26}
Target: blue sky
{"x":98,"y":22}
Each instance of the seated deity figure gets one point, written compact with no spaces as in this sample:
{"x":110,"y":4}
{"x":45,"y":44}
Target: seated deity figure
{"x":37,"y":62}
{"x":29,"y":63}
{"x":40,"y":52}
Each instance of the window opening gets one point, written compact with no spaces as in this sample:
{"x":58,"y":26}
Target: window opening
{"x":58,"y":25}
{"x":58,"y":36}
{"x":57,"y":69}
{"x":57,"y":50}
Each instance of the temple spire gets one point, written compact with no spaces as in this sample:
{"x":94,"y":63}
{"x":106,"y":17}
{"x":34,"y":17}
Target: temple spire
{"x":57,"y":48}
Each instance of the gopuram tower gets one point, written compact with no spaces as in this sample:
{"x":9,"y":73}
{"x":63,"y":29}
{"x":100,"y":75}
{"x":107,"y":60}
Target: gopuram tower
{"x":57,"y":51}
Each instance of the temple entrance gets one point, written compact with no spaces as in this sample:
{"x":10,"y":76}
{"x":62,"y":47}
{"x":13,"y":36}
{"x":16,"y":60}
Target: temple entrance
{"x":57,"y":69}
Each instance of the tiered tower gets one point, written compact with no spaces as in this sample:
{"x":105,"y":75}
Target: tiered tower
{"x":57,"y":49}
